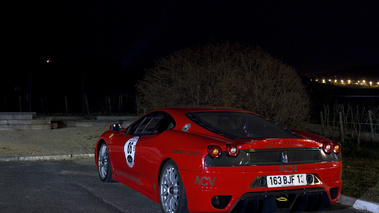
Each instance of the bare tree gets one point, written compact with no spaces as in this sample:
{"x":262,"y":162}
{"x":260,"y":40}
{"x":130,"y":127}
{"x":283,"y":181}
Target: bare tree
{"x":354,"y":121}
{"x":226,"y":75}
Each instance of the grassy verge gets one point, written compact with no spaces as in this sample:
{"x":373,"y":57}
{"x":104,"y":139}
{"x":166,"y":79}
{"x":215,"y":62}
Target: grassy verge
{"x":360,"y":172}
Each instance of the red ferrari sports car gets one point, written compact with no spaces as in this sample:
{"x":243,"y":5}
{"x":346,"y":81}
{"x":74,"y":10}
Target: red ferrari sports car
{"x":221,"y":160}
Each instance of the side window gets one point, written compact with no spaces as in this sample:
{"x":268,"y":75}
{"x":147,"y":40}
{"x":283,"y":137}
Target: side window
{"x":149,"y":126}
{"x":152,"y":124}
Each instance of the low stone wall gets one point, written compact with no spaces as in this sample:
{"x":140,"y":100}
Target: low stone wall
{"x":23,"y":120}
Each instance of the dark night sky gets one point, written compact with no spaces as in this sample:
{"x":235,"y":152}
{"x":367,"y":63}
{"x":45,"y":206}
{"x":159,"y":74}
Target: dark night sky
{"x":313,"y":36}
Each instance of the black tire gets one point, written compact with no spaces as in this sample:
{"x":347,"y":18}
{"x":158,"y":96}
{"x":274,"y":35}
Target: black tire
{"x":104,"y":164}
{"x":172,"y":195}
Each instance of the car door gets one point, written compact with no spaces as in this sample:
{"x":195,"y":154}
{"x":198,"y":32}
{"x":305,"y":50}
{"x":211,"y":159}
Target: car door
{"x":149,"y":146}
{"x":131,"y":146}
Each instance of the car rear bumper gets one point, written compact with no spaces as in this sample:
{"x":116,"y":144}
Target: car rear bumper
{"x":225,"y":189}
{"x":312,"y":199}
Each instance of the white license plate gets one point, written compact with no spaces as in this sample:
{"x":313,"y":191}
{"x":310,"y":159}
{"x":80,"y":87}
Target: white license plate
{"x":286,"y":180}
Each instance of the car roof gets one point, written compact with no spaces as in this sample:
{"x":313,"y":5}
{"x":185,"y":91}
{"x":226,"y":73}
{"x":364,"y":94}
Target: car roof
{"x":184,"y":110}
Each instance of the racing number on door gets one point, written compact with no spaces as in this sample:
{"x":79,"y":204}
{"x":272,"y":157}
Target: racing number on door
{"x":130,"y":151}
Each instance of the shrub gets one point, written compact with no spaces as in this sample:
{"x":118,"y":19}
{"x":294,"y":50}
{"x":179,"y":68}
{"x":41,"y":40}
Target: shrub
{"x":226,"y":75}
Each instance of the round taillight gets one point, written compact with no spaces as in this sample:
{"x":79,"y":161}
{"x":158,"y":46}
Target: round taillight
{"x":328,"y":147}
{"x":336,"y":147}
{"x":214,"y":151}
{"x":231,"y":150}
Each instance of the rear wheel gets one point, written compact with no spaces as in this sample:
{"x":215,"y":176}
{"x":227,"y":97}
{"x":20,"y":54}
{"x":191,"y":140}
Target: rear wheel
{"x":172,"y":195}
{"x":104,"y":164}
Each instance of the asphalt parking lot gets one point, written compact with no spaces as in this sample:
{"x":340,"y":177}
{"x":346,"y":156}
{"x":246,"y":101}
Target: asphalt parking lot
{"x":73,"y":186}
{"x":65,"y":186}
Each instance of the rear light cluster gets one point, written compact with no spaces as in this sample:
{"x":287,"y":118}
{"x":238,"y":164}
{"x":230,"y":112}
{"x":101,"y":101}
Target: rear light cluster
{"x":215,"y":150}
{"x":331,"y":147}
{"x":232,"y":150}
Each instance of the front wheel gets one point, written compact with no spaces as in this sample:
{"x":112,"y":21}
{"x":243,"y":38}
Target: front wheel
{"x":172,"y":195}
{"x":104,"y":164}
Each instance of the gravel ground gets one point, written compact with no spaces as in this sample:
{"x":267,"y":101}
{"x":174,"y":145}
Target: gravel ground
{"x":69,"y":140}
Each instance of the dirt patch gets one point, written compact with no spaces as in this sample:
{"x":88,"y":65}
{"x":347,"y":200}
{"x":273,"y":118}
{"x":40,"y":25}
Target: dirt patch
{"x":70,"y":140}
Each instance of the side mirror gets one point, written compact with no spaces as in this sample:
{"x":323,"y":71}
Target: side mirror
{"x":115,"y":127}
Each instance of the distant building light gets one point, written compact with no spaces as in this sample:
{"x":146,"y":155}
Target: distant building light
{"x":362,"y":82}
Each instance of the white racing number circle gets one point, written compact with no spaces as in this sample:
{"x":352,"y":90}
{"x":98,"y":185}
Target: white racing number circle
{"x":130,"y":150}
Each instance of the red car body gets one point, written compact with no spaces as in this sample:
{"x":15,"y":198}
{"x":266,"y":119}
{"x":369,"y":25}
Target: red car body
{"x":220,"y":172}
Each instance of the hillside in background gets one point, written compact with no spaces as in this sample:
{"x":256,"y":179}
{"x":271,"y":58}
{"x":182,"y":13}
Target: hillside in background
{"x":356,"y":86}
{"x":367,"y":72}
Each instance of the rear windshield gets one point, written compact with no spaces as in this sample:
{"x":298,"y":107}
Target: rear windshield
{"x":239,"y":125}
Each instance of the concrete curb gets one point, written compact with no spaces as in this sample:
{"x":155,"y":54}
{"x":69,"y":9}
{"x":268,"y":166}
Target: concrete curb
{"x":45,"y":157}
{"x":359,"y":204}
{"x":343,"y":200}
